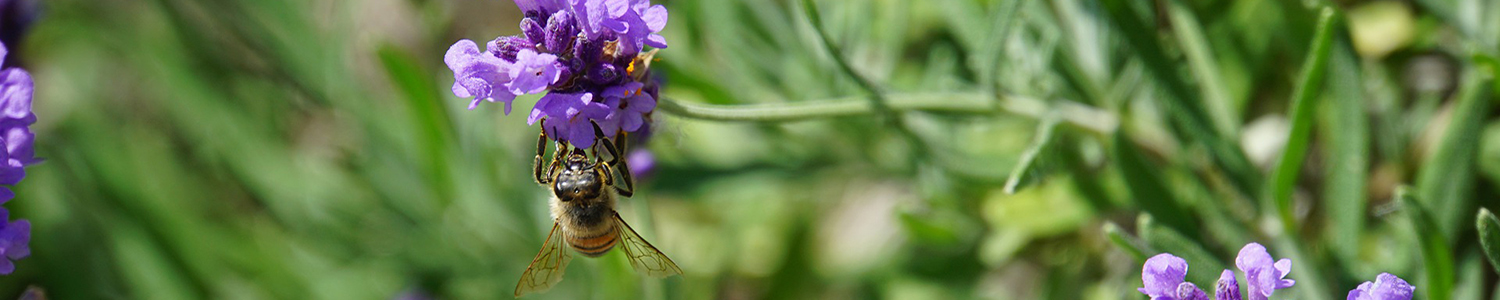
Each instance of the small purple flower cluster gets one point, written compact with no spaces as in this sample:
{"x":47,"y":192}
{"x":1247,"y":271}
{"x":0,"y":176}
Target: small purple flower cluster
{"x":15,"y":133}
{"x":587,"y":55}
{"x":1164,"y":277}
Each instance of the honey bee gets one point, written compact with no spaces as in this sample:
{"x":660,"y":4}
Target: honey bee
{"x":583,"y":213}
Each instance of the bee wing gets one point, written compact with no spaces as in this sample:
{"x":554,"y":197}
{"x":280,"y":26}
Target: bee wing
{"x":643,"y":256}
{"x":547,"y":268}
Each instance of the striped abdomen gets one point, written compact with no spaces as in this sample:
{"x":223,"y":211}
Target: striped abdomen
{"x":596,"y":241}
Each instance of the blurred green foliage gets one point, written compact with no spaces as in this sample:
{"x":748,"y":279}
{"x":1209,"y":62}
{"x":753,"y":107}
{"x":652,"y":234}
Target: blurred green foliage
{"x":294,"y":149}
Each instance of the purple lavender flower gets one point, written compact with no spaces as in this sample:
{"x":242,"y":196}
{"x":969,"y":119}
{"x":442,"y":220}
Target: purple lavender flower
{"x":586,"y":55}
{"x":16,"y":137}
{"x":1163,"y":277}
{"x":642,"y":163}
{"x":1262,"y":274}
{"x":480,"y":75}
{"x":1227,"y":288}
{"x":568,"y":117}
{"x":630,"y":103}
{"x":1385,"y":287}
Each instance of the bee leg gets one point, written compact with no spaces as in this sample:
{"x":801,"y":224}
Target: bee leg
{"x":541,"y":148}
{"x":614,"y":159}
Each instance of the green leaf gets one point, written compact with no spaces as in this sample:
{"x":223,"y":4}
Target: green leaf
{"x":1043,"y":139}
{"x":1489,"y":236}
{"x":435,"y":130}
{"x":1201,"y":60}
{"x":1182,"y":104}
{"x":1146,"y":186}
{"x":1445,"y":182}
{"x":1129,"y":244}
{"x":1437,"y":258}
{"x":1347,"y":134}
{"x":1284,"y":176}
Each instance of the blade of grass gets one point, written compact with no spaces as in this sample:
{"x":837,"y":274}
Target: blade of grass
{"x":1489,"y":236}
{"x":1183,"y":106}
{"x":1041,"y":142}
{"x":1146,"y":186}
{"x":1445,"y":182}
{"x":1347,"y":149}
{"x":1284,"y":175}
{"x":1128,"y":243}
{"x":424,"y":102}
{"x":1436,"y":256}
{"x":1201,"y":61}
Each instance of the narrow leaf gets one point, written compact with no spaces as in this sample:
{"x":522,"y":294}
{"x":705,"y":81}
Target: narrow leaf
{"x":1436,"y":255}
{"x":1146,"y":186}
{"x":1128,"y":243}
{"x":1284,"y":176}
{"x":1200,"y":58}
{"x":1445,"y":182}
{"x":1182,"y":104}
{"x":1347,"y":133}
{"x":1043,"y":139}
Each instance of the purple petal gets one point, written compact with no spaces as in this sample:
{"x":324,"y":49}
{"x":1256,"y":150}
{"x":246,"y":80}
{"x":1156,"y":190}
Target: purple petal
{"x":533,"y":72}
{"x":15,"y":95}
{"x":1284,"y":266}
{"x":1162,"y":273}
{"x":655,"y":17}
{"x":1253,"y":255}
{"x":1227,"y":288}
{"x":656,"y":40}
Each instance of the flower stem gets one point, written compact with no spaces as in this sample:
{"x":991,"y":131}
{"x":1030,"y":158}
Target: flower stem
{"x":977,"y":103}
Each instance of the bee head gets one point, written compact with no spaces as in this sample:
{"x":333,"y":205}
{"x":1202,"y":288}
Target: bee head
{"x":578,"y":180}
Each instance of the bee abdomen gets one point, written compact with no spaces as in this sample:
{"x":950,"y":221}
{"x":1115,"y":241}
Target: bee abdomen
{"x":594,"y":246}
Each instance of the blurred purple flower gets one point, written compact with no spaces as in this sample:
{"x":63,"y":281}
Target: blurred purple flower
{"x":642,"y":163}
{"x":582,"y":53}
{"x":16,"y":118}
{"x":14,"y":239}
{"x":1385,"y":287}
{"x":16,"y":17}
{"x":1227,"y":288}
{"x":1263,"y":275}
{"x":1163,"y":277}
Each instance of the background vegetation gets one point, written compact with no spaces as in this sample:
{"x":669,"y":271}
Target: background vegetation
{"x":1031,"y":149}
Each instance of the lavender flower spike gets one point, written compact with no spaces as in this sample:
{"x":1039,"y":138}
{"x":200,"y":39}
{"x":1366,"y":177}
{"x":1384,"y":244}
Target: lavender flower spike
{"x":1262,"y":275}
{"x":1163,"y":277}
{"x":1385,"y":287}
{"x":16,"y":137}
{"x":1227,"y":288}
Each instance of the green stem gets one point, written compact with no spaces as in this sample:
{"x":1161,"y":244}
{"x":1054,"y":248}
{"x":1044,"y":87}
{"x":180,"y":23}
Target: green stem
{"x":1079,"y":115}
{"x":877,"y":96}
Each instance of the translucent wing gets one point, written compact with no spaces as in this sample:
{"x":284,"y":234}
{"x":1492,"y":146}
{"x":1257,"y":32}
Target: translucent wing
{"x":643,"y":256}
{"x":547,"y":268}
